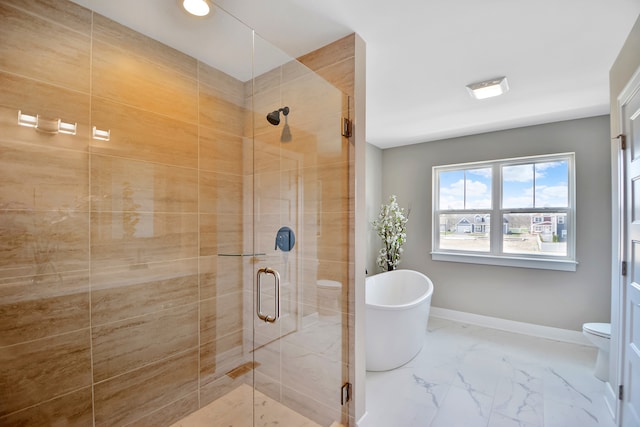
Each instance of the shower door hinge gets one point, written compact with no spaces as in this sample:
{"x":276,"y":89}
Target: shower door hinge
{"x":620,"y":392}
{"x":347,"y":127}
{"x":624,"y":268}
{"x":345,"y":393}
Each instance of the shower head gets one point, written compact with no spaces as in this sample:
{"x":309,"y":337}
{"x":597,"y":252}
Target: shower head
{"x":274,"y":116}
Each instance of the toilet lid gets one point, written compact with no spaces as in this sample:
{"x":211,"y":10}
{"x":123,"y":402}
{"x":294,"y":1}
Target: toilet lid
{"x":601,"y":329}
{"x":330,"y":284}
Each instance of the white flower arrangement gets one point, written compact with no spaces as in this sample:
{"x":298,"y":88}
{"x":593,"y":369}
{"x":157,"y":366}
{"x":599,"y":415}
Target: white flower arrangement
{"x":391,"y":226}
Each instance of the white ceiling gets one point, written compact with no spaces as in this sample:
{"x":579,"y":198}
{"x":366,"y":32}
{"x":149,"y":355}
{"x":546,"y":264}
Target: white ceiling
{"x":556,"y":54}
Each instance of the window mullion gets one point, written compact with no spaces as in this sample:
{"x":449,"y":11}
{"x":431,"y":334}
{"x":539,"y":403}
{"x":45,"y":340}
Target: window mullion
{"x":533,"y":166}
{"x":496,"y":205}
{"x":464,"y":190}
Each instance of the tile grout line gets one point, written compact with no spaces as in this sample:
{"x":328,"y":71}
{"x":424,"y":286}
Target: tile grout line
{"x":198,"y":204}
{"x":93,"y":392}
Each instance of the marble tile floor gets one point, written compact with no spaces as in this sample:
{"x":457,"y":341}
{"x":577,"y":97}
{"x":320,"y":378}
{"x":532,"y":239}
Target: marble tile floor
{"x":468,"y":376}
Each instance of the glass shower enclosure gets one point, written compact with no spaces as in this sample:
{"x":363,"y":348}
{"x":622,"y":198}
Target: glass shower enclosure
{"x":170,"y":256}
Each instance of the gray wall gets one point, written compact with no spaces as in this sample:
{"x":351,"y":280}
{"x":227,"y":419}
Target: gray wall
{"x":374,"y":199}
{"x":544,"y":297}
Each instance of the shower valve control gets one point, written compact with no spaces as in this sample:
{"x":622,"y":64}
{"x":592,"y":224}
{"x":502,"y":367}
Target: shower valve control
{"x":285,"y":239}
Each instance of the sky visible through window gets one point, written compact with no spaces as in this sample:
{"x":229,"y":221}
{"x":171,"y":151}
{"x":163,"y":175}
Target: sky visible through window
{"x":536,"y":185}
{"x":475,"y":184}
{"x":531,"y":185}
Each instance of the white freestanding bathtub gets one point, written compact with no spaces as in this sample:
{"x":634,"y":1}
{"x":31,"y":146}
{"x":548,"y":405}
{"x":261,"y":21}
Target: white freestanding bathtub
{"x":398,"y":304}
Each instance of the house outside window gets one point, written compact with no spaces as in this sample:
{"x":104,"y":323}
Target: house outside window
{"x":514,"y":212}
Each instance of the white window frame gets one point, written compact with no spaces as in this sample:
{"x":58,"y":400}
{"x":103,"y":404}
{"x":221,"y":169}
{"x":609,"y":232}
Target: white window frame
{"x":496,"y":256}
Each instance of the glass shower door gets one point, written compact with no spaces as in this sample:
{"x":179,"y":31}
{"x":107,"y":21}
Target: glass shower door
{"x":300,"y":237}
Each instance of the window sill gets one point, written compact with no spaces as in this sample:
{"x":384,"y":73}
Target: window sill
{"x":543,"y":264}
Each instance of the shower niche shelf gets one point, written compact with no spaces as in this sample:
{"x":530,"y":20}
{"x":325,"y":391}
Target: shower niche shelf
{"x":256,"y":254}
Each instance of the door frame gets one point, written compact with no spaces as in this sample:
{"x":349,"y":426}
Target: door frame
{"x":619,"y":249}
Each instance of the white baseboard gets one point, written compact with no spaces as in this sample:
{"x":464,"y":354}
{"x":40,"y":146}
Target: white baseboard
{"x":540,"y":331}
{"x":362,"y":422}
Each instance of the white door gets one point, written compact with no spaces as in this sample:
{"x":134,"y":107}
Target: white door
{"x":630,"y":415}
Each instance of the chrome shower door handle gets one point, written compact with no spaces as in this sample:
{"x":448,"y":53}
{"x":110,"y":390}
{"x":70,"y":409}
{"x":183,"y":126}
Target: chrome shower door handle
{"x":276,"y":277}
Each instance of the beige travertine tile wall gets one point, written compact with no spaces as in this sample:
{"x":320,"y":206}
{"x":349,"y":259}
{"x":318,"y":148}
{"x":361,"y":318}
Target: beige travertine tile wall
{"x":114,"y":305}
{"x":45,"y":345}
{"x":115,"y":308}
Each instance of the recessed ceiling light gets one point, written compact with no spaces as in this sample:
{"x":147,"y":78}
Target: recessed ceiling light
{"x":197,"y":7}
{"x":488,"y":88}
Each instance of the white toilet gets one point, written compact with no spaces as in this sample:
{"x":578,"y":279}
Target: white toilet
{"x":600,"y":335}
{"x":329,"y":297}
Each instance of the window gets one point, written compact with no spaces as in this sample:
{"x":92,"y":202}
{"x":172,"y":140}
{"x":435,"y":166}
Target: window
{"x":513,"y":212}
